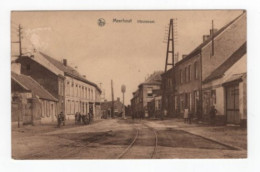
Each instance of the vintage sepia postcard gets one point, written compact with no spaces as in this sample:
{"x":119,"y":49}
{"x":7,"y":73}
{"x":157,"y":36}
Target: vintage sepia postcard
{"x":147,"y":84}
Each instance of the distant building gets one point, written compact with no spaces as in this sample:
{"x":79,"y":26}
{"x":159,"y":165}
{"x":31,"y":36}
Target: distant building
{"x":106,"y":107}
{"x":73,"y":91}
{"x":144,"y":94}
{"x":31,"y":103}
{"x":155,"y":105}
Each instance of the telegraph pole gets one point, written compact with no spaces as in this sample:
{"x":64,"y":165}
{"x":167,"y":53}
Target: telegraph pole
{"x":123,"y":89}
{"x":169,"y":53}
{"x":20,"y":40}
{"x":112,"y":95}
{"x":212,"y":37}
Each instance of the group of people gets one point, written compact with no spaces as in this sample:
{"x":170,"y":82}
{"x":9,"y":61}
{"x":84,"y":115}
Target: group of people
{"x":188,"y":116}
{"x":83,"y":118}
{"x":79,"y":118}
{"x":61,"y":119}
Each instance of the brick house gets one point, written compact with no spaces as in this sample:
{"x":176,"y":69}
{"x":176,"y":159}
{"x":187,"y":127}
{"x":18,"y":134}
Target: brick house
{"x":194,"y":68}
{"x":73,"y":91}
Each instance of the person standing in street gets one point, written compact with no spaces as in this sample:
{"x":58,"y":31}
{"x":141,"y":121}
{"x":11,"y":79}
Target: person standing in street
{"x":59,"y":118}
{"x":186,"y":114}
{"x":62,"y":118}
{"x":213,"y":112}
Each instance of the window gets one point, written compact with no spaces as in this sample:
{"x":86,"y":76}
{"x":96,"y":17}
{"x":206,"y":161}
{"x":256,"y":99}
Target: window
{"x":181,"y":77}
{"x":52,"y":110}
{"x":68,"y":89}
{"x":186,"y":75}
{"x":196,"y":71}
{"x":213,"y":96}
{"x":43,"y":109}
{"x":61,"y":88}
{"x":68,"y":107}
{"x":149,"y":92}
{"x":76,"y":90}
{"x":189,"y":73}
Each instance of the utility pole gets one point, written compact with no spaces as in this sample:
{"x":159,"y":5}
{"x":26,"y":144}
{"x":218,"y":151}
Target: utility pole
{"x":212,"y":37}
{"x":19,"y":40}
{"x":112,"y":95}
{"x":123,"y":89}
{"x":169,"y":51}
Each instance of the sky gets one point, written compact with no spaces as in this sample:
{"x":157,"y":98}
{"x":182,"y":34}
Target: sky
{"x":123,"y":52}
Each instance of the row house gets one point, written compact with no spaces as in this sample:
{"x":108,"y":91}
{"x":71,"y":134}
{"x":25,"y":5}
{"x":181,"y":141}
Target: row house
{"x":190,"y":72}
{"x":31,"y":103}
{"x":73,"y":91}
{"x":144,"y":94}
{"x":226,"y":89}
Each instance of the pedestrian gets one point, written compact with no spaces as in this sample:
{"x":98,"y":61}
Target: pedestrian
{"x":186,"y":114}
{"x":84,"y":119}
{"x":79,"y":118}
{"x":59,"y":118}
{"x":62,"y":118}
{"x":76,"y":118}
{"x":213,"y":112}
{"x":89,"y":118}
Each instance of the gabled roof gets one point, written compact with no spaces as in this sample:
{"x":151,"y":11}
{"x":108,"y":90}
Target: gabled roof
{"x":68,"y":70}
{"x":197,"y":50}
{"x":31,"y":85}
{"x":154,"y":79}
{"x":233,"y":78}
{"x":219,"y":72}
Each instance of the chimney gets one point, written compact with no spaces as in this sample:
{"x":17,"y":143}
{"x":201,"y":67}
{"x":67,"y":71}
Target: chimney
{"x":213,"y":31}
{"x":65,"y":62}
{"x":205,"y":37}
{"x":184,"y":55}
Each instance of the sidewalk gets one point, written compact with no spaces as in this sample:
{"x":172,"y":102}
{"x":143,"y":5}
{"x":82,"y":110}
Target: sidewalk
{"x":29,"y":130}
{"x":234,"y":136}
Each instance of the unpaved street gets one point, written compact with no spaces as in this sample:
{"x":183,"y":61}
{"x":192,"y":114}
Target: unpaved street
{"x":119,"y":139}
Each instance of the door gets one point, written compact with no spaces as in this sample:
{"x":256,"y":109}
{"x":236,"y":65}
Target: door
{"x":232,"y":104}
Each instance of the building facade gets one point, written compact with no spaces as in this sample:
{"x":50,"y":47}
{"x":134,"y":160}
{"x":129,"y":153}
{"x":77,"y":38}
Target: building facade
{"x":225,"y":89}
{"x":193,"y":69}
{"x":31,"y":103}
{"x":145,"y":94}
{"x":106,"y":108}
{"x":73,"y":91}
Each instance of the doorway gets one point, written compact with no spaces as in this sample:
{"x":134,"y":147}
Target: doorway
{"x":232,"y":104}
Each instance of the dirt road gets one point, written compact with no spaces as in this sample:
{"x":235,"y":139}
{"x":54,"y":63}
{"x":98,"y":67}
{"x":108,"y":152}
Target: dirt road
{"x":118,"y":139}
